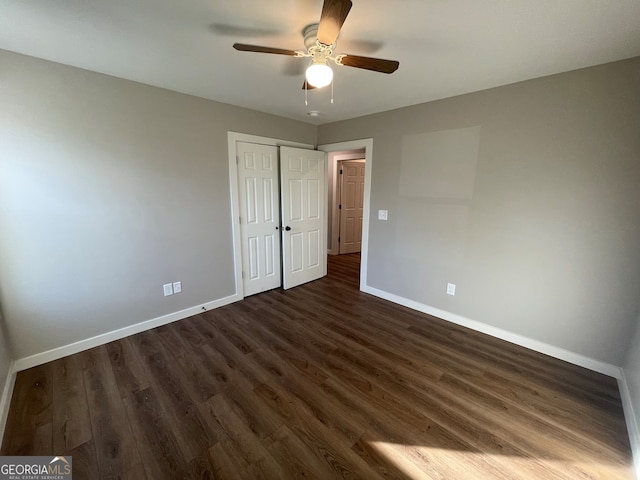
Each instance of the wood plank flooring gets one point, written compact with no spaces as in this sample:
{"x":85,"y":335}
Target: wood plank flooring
{"x":319,"y":382}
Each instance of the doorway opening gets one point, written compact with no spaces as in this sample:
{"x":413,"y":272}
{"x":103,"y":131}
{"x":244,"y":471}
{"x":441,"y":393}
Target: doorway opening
{"x":350,"y":179}
{"x":348,"y":207}
{"x":336,"y":161}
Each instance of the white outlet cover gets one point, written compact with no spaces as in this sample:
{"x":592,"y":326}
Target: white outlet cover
{"x":451,"y":289}
{"x":383,"y":214}
{"x":168,"y":289}
{"x":177,"y":287}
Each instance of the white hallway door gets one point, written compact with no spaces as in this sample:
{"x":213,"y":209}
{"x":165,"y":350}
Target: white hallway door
{"x":296,"y":180}
{"x":303,"y":180}
{"x":259,"y":217}
{"x":351,"y":206}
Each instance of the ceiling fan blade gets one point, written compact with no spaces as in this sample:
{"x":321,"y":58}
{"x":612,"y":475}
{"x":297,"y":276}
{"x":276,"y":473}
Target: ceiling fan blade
{"x":368,"y":63}
{"x":334,"y":13}
{"x":308,"y":86}
{"x":256,"y":48}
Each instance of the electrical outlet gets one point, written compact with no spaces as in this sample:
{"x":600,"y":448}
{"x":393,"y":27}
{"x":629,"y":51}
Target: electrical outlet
{"x":383,"y":214}
{"x":451,"y":289}
{"x":177,"y":287}
{"x":168,"y":289}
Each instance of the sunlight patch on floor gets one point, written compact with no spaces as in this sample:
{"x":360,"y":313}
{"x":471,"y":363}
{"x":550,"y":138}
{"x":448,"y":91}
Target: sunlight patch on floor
{"x":419,"y":463}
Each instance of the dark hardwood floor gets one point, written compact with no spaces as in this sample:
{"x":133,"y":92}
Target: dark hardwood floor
{"x":319,"y":382}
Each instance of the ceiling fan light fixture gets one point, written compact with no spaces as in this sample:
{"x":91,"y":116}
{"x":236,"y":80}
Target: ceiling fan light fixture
{"x":319,"y":74}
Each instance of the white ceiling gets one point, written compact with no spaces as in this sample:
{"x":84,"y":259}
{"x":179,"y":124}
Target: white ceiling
{"x":445,"y":47}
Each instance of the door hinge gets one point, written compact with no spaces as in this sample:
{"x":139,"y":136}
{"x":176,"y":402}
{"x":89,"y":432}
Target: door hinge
{"x":340,"y":171}
{"x":340,"y":207}
{"x":237,"y":159}
{"x":338,"y":239}
{"x":240,"y":220}
{"x":242,"y":274}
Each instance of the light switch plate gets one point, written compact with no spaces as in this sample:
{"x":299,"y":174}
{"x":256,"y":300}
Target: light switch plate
{"x":383,"y":214}
{"x":177,"y":287}
{"x":451,"y":289}
{"x":168,"y":289}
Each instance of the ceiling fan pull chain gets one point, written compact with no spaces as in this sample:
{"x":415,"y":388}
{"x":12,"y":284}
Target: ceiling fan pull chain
{"x":306,"y":90}
{"x":331,"y":92}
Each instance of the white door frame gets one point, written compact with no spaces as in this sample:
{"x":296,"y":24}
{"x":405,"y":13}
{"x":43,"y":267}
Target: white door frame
{"x":232,"y":138}
{"x":367,"y":144}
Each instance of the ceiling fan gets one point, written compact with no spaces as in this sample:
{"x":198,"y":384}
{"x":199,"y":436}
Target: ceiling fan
{"x":320,"y":39}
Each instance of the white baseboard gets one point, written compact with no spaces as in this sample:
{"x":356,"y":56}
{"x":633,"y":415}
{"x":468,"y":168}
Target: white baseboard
{"x":632,"y":422}
{"x":56,"y":353}
{"x":5,"y":400}
{"x":551,"y":350}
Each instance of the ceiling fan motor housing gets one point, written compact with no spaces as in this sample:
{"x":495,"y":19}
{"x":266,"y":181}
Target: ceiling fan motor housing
{"x":310,"y":33}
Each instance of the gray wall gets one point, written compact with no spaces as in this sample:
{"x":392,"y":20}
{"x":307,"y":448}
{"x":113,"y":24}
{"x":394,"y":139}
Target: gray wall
{"x":536,"y":223}
{"x":109,"y":189}
{"x":632,"y":368}
{"x":5,"y":355}
{"x":5,"y":365}
{"x":632,"y":375}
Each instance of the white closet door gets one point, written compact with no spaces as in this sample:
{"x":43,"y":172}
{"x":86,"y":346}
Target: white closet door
{"x":303,"y":186}
{"x":259,"y":217}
